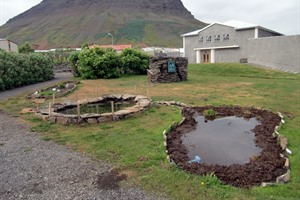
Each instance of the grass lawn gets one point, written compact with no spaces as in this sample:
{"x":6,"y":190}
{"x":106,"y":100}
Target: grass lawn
{"x":135,"y":145}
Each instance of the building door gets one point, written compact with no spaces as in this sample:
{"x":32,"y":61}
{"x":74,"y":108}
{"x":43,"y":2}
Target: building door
{"x":206,"y":57}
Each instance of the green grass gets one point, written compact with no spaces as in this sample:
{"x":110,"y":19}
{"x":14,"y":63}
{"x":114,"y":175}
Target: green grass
{"x":136,"y":144}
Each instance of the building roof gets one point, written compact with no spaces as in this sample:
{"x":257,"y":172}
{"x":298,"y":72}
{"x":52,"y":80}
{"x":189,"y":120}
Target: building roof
{"x":5,"y":39}
{"x":237,"y":25}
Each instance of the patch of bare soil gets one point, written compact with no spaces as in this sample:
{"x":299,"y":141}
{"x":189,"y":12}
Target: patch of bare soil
{"x":265,"y":167}
{"x":110,"y":180}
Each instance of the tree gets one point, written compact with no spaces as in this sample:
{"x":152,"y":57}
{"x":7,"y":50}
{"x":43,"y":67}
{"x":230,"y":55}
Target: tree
{"x":26,"y":48}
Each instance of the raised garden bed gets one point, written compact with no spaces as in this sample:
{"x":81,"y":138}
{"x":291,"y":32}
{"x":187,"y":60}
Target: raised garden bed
{"x":59,"y":90}
{"x":57,"y":112}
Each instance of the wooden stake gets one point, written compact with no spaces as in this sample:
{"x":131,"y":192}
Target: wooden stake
{"x":78,"y":110}
{"x":112,"y":108}
{"x":97,"y":107}
{"x":53,"y":98}
{"x":49,"y":109}
{"x":76,"y":96}
{"x":139,"y":103}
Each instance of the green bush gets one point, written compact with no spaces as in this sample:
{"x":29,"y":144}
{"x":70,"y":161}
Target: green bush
{"x":22,"y":69}
{"x":134,"y":61}
{"x":99,"y":63}
{"x":106,"y":63}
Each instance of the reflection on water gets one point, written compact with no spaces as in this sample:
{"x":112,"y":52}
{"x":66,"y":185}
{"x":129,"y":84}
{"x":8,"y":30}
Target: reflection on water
{"x":223,"y":141}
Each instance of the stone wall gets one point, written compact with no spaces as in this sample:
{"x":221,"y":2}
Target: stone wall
{"x":168,"y":69}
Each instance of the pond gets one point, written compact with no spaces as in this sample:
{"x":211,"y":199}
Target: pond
{"x":97,"y":108}
{"x":223,"y":141}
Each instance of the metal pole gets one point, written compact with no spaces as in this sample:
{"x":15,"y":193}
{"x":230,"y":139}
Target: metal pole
{"x":112,"y":39}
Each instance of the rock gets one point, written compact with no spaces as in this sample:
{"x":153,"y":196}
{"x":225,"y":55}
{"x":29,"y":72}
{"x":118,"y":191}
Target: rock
{"x":106,"y":115}
{"x":83,"y":101}
{"x":139,"y":97}
{"x":283,"y":142}
{"x":264,"y":184}
{"x":70,"y":104}
{"x":92,"y":120}
{"x":52,"y":119}
{"x":117,"y":96}
{"x":284,"y":178}
{"x":287,"y":163}
{"x":27,"y":110}
{"x":128,"y":96}
{"x":104,"y":119}
{"x":122,"y":112}
{"x":62,"y":120}
{"x":93,"y":100}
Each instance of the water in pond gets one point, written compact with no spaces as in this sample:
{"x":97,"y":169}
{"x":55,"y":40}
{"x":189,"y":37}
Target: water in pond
{"x":97,"y":108}
{"x":223,"y":141}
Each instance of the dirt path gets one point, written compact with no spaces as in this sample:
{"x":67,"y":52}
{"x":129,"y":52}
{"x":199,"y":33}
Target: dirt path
{"x":31,"y":168}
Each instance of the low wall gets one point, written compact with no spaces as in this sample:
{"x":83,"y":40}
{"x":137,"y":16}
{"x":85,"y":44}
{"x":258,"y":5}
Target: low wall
{"x":281,"y":52}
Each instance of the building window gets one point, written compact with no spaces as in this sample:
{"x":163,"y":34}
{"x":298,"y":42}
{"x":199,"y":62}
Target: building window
{"x":225,"y":37}
{"x":200,"y":39}
{"x":208,"y":38}
{"x":217,"y":38}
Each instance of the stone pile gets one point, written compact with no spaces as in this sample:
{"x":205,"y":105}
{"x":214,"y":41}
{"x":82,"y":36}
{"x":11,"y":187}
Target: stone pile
{"x":159,"y":70}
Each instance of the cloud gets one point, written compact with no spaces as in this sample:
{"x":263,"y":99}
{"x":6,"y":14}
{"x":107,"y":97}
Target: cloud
{"x":11,"y":8}
{"x":282,"y":17}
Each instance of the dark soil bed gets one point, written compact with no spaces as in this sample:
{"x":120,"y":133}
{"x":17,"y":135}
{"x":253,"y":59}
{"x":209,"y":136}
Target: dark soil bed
{"x":265,"y":167}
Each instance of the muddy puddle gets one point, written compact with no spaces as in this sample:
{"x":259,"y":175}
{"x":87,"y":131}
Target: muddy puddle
{"x":224,"y":141}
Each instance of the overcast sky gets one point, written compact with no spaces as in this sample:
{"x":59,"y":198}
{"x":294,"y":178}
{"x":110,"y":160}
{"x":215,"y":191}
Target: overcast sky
{"x":281,"y":16}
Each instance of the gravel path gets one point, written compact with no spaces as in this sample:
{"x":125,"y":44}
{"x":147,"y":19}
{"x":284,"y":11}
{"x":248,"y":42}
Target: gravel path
{"x":31,"y":168}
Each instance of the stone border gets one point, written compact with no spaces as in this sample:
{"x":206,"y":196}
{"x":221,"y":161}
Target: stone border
{"x":142,"y":103}
{"x":283,"y":141}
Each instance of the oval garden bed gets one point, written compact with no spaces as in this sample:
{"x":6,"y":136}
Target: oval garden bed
{"x":96,"y":110}
{"x":266,"y":163}
{"x":59,"y":90}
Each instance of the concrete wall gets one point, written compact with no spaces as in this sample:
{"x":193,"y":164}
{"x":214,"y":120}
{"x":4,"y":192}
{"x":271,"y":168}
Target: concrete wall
{"x":282,"y":52}
{"x":8,"y":45}
{"x":189,"y":45}
{"x":264,"y":33}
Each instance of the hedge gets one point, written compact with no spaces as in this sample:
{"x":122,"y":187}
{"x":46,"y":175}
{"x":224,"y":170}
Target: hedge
{"x":23,"y":69}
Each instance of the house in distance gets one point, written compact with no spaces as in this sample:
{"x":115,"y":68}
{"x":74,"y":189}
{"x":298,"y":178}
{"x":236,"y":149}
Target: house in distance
{"x":8,"y":45}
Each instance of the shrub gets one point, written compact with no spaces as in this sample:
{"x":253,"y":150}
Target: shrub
{"x":134,"y":61}
{"x":23,"y":69}
{"x":99,"y":63}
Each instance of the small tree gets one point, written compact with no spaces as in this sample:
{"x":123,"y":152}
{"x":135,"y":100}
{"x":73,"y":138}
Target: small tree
{"x":26,"y":48}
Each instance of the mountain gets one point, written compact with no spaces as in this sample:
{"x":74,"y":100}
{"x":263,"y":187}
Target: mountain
{"x":67,"y":23}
